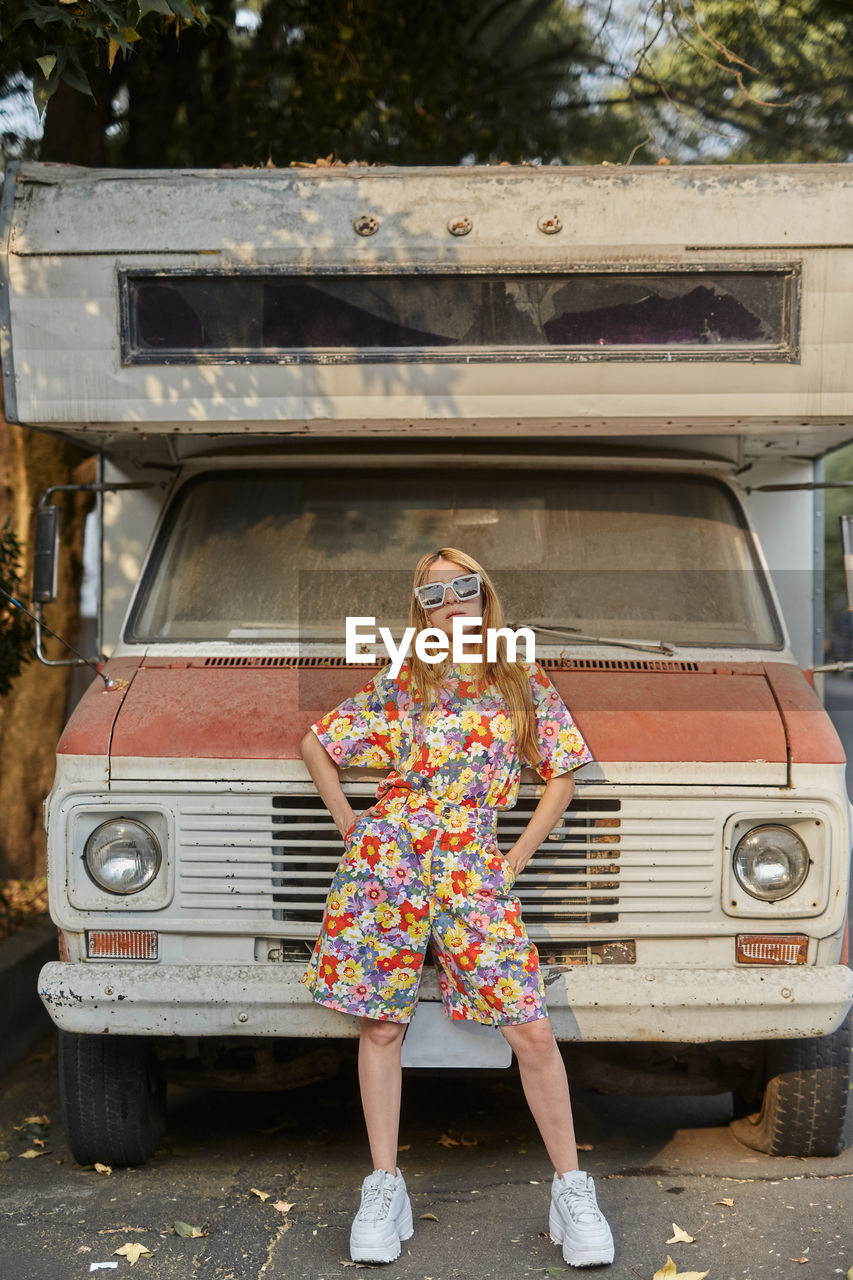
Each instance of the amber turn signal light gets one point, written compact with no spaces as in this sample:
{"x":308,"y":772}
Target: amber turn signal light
{"x":121,"y":944}
{"x":771,"y":948}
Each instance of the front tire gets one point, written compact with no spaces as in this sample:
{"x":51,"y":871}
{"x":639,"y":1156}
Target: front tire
{"x":804,"y":1102}
{"x":113,"y":1101}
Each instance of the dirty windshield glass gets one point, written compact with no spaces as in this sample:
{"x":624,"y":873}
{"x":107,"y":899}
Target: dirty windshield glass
{"x":281,"y":555}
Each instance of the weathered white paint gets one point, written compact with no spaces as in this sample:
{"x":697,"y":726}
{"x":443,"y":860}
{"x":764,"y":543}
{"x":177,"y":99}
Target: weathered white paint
{"x":689,"y":820}
{"x":589,"y":1003}
{"x":128,"y":770}
{"x":73,"y":229}
{"x":129,"y":519}
{"x":785,"y":531}
{"x":257,"y":216}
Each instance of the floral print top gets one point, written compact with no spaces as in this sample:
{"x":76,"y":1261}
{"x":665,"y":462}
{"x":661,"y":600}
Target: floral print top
{"x":462,"y":751}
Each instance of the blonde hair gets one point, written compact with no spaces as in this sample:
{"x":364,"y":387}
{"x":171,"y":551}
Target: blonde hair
{"x":510,"y":677}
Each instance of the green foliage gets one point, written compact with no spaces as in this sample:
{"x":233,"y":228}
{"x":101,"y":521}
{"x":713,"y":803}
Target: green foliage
{"x":258,"y":81}
{"x":230,"y":82}
{"x":60,"y":41}
{"x":372,"y":80}
{"x":768,"y":80}
{"x":16,"y":629}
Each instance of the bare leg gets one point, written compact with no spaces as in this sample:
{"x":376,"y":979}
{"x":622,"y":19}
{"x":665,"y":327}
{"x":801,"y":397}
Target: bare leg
{"x":380,"y":1076}
{"x":546,"y":1088}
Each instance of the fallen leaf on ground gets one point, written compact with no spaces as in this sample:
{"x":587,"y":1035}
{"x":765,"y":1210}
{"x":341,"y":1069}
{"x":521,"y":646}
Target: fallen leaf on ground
{"x":585,"y":1146}
{"x":468,"y":1140}
{"x":798,"y":1259}
{"x":4,"y":1156}
{"x":105,"y":1169}
{"x":669,"y":1272}
{"x":186,"y":1231}
{"x":407,"y":1147}
{"x":33,"y":1128}
{"x":679,"y":1236}
{"x":429,"y":1217}
{"x":446,"y":1141}
{"x":31,"y":1154}
{"x":727,"y":1201}
{"x":84,"y":1248}
{"x":133,"y":1252}
{"x":283,"y":1206}
{"x":262,"y":1195}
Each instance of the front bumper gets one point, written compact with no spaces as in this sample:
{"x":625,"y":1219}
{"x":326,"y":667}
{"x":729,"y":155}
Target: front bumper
{"x":585,"y":1003}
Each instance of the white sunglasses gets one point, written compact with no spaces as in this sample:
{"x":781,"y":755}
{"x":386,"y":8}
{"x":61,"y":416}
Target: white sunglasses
{"x":432,"y":594}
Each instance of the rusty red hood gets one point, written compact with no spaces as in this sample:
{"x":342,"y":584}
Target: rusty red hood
{"x":178,"y":709}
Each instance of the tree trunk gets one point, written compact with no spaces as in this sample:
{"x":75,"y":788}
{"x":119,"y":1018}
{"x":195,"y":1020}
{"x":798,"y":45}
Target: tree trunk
{"x":33,"y":713}
{"x":75,"y":124}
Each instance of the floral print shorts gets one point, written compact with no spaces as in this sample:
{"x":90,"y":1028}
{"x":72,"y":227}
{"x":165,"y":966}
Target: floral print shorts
{"x":417,"y":870}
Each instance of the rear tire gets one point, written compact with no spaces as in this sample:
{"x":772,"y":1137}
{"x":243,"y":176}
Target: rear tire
{"x":804,"y":1103}
{"x":113,"y":1101}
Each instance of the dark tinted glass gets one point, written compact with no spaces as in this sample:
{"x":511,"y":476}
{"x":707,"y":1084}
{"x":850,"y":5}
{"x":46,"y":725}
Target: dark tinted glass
{"x":242,"y":315}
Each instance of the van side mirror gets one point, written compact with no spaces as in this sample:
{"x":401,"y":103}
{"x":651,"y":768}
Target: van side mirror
{"x":46,"y":554}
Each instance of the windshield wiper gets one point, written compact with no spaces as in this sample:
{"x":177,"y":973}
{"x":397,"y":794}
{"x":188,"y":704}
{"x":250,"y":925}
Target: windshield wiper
{"x":652,"y":646}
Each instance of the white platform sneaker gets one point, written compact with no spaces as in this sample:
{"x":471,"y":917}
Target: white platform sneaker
{"x":577,"y":1223}
{"x":384,"y":1218}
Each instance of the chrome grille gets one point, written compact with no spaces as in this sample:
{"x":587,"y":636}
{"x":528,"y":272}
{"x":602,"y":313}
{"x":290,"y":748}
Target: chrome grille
{"x":272,"y":858}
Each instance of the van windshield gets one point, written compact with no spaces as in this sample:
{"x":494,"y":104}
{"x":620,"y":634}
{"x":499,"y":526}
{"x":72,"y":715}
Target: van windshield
{"x":285,"y":555}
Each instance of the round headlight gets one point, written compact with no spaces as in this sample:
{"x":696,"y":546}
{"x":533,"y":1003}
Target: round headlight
{"x":771,"y":862}
{"x":123,"y":856}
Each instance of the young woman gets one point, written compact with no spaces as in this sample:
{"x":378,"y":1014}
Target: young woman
{"x":422,"y":865}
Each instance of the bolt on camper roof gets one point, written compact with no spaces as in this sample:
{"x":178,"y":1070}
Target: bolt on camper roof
{"x":554,"y":303}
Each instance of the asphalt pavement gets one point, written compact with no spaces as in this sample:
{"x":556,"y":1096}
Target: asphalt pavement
{"x":476,"y":1170}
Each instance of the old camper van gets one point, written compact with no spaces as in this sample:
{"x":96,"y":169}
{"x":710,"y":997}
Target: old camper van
{"x":612,"y":386}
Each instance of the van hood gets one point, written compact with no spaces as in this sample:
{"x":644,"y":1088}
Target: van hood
{"x":762,"y":716}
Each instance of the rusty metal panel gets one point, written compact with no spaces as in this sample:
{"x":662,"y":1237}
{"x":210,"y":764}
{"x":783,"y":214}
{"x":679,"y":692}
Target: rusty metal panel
{"x":187,"y":712}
